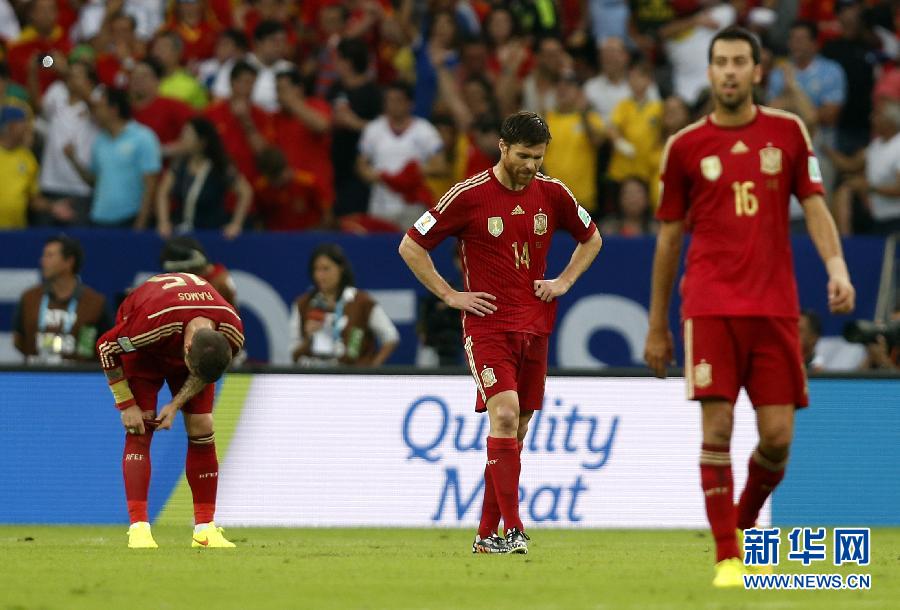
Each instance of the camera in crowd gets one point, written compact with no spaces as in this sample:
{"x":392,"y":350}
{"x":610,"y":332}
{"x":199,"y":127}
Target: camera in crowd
{"x":867,"y":332}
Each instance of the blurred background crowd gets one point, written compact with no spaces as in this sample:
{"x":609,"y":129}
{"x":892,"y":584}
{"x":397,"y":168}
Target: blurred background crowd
{"x":356,"y":115}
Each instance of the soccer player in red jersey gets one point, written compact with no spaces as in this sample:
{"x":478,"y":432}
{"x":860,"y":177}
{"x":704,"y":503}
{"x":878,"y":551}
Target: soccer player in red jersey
{"x":504,"y":219}
{"x":728,"y":179}
{"x":174,"y":328}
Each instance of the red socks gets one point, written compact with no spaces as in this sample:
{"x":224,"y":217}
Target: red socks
{"x":136,"y":471}
{"x":764,"y":476}
{"x":490,"y":509}
{"x":202,"y":470}
{"x":504,"y":466}
{"x":718,"y":489}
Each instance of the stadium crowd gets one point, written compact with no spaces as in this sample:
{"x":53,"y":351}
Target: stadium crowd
{"x":357,"y":115}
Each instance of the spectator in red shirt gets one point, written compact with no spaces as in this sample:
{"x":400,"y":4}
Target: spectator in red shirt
{"x":198,"y":33}
{"x":43,"y":36}
{"x":165,"y":116}
{"x":508,"y":52}
{"x":242,"y":126}
{"x":118,"y":49}
{"x":289,"y":199}
{"x":270,"y":10}
{"x":302,"y":130}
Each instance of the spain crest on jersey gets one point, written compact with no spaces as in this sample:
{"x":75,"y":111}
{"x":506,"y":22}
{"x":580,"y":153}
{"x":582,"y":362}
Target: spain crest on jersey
{"x":770,"y":160}
{"x":703,"y":374}
{"x":495,"y":225}
{"x":711,"y":168}
{"x":488,"y":378}
{"x":540,"y":224}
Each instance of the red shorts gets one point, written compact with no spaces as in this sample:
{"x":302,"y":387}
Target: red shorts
{"x":508,"y":361}
{"x":721,"y":354}
{"x":145,"y":389}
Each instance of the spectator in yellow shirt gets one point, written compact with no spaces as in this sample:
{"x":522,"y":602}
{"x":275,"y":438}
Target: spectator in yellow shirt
{"x":635,"y":130}
{"x":18,"y":171}
{"x":577,"y":134}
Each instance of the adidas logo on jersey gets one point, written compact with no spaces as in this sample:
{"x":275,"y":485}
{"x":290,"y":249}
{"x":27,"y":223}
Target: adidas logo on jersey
{"x":739,"y":148}
{"x":518,"y":210}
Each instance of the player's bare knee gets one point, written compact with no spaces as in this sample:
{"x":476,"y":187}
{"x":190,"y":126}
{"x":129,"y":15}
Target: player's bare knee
{"x":717,"y":429}
{"x":506,"y":420}
{"x":776,"y":444}
{"x":198,"y":425}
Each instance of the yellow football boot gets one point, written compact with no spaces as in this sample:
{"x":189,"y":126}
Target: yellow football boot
{"x":211,"y":537}
{"x":729,"y":573}
{"x":139,"y":536}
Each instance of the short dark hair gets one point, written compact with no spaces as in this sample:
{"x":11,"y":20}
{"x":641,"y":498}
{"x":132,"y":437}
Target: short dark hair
{"x":526,"y":128}
{"x":240,"y":68}
{"x":210,"y":354}
{"x":70,"y":248}
{"x":155,"y":66}
{"x":356,"y":52}
{"x":639,"y":63}
{"x":292,"y":74}
{"x":174,"y":38}
{"x":403,"y":87}
{"x":118,"y":99}
{"x":810,"y":26}
{"x":183,"y":254}
{"x":266,"y":28}
{"x":335,"y":254}
{"x":815,"y":322}
{"x":123,"y":15}
{"x":735,"y":32}
{"x":237,"y":37}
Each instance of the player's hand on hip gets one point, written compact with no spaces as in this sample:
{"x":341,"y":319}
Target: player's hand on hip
{"x":659,"y":351}
{"x":167,"y":416}
{"x":133,"y":420}
{"x":841,"y":295}
{"x":547,"y":290}
{"x":478,"y":303}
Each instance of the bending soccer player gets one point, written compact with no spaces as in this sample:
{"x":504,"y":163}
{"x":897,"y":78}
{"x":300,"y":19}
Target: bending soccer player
{"x":174,"y":328}
{"x":728,"y":179}
{"x":504,"y":219}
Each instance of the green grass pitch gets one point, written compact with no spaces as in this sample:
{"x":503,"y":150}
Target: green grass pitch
{"x":70,"y":567}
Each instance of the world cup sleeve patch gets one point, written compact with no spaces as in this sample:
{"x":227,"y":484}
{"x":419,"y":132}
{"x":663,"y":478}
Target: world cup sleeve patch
{"x":585,"y":217}
{"x":425,"y":222}
{"x":126,"y":344}
{"x":815,"y":174}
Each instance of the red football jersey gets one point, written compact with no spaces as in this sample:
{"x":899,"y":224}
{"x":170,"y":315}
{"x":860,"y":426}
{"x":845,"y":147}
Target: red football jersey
{"x":234,"y":138}
{"x":303,"y":149}
{"x":165,"y":116}
{"x":504,"y":236}
{"x":150,"y":323}
{"x":732,"y":186}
